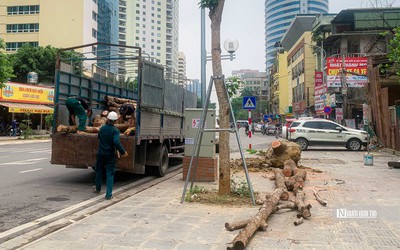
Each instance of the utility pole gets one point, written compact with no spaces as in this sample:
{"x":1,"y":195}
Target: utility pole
{"x":344,"y":87}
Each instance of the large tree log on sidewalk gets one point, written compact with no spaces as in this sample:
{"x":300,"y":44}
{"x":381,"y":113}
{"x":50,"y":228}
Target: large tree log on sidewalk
{"x":304,"y":210}
{"x":242,"y":224}
{"x":297,"y":180}
{"x":277,"y":159}
{"x":255,"y":222}
{"x":289,"y":166}
{"x":280,"y":183}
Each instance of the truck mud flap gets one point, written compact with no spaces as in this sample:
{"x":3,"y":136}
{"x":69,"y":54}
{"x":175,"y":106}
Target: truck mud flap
{"x":79,"y":151}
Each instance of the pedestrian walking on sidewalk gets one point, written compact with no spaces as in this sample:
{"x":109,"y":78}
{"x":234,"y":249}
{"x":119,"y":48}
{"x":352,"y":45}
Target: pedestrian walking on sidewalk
{"x":77,"y":106}
{"x":109,"y":145}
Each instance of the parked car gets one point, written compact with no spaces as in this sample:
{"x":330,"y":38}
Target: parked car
{"x":257,"y":127}
{"x":287,"y":124}
{"x":322,"y":132}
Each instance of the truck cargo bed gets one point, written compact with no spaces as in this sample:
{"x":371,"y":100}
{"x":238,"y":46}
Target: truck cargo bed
{"x":80,"y":150}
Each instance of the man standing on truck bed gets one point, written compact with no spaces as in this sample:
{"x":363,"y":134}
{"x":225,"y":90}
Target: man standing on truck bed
{"x":106,"y":156}
{"x":77,"y":106}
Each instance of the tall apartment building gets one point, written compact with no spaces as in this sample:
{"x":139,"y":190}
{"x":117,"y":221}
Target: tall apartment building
{"x":47,"y":22}
{"x":182,"y":67}
{"x":279,"y":14}
{"x":252,"y":79}
{"x":150,"y":24}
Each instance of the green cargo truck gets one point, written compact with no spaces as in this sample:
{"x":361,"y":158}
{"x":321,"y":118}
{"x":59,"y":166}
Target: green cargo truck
{"x":159,"y":114}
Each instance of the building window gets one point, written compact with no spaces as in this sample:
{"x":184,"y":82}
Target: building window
{"x":22,"y":28}
{"x":94,"y":15}
{"x":94,"y":50}
{"x":16,"y":46}
{"x":23,"y":10}
{"x":94,"y":33}
{"x":95,"y":1}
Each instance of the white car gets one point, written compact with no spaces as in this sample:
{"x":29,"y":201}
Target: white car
{"x":322,"y":132}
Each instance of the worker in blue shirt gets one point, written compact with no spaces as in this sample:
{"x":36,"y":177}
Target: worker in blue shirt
{"x":77,"y":106}
{"x":109,"y":142}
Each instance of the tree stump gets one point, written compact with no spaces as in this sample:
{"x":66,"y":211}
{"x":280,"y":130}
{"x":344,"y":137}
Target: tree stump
{"x":292,"y":151}
{"x":255,"y":222}
{"x":278,"y":147}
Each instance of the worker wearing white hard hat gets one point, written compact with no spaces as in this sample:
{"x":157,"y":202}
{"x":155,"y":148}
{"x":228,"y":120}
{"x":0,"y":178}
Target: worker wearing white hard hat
{"x":109,"y":142}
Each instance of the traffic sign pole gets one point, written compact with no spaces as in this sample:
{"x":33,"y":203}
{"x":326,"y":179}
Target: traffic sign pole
{"x":250,"y":127}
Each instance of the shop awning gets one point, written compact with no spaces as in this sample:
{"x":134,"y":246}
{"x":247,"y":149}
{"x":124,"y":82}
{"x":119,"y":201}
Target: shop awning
{"x":27,"y":108}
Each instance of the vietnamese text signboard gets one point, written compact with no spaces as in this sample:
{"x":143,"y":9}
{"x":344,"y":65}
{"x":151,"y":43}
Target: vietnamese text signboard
{"x":26,"y":93}
{"x":356,"y":65}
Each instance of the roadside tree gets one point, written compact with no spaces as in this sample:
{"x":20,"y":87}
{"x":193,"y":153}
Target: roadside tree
{"x":215,"y":14}
{"x":6,"y":70}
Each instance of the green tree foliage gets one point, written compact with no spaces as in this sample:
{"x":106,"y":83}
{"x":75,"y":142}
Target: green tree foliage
{"x":38,"y":59}
{"x":394,"y":51}
{"x":232,"y":84}
{"x":6,"y":70}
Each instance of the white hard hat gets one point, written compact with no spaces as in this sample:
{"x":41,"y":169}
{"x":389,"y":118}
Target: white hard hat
{"x":112,"y":116}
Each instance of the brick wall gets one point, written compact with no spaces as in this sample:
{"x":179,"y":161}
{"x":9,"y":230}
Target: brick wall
{"x":207,"y":168}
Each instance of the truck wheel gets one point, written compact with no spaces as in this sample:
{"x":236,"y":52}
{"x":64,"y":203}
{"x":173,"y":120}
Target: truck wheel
{"x":162,"y":168}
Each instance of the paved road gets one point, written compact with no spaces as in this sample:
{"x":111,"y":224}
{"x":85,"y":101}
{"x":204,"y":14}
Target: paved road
{"x":31,"y":187}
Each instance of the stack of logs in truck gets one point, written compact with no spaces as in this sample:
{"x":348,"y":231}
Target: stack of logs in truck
{"x":151,"y":136}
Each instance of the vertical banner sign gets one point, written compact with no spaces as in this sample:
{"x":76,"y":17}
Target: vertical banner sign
{"x":356,"y":65}
{"x":339,"y":114}
{"x":319,"y":91}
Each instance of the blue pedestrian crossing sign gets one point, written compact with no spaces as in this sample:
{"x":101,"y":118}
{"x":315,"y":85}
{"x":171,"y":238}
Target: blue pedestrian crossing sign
{"x":249,"y":102}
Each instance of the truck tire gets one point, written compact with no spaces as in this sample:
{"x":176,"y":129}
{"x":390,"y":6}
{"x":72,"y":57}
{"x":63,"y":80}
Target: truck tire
{"x":162,"y":167}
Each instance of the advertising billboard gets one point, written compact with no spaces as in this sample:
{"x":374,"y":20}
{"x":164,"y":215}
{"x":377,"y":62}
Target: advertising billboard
{"x":356,"y":65}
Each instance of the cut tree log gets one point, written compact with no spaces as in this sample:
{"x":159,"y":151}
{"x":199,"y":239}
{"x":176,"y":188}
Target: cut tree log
{"x":280,"y":183}
{"x":285,"y":206}
{"x":292,"y":151}
{"x":304,"y":210}
{"x":67,"y":129}
{"x":297,"y":180}
{"x":99,"y":121}
{"x":256,"y":221}
{"x":278,"y":147}
{"x":119,"y":100}
{"x":122,"y":127}
{"x":242,"y":224}
{"x":74,"y":129}
{"x":289,"y":166}
{"x":318,"y":198}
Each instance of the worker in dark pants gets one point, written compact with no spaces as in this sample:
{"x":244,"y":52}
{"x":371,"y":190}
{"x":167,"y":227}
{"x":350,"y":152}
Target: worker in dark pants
{"x":77,"y":106}
{"x":106,"y":155}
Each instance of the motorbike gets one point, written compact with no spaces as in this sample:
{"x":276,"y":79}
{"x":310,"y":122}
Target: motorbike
{"x":18,"y":132}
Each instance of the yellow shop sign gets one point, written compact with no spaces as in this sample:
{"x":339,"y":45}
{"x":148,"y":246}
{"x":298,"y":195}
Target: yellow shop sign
{"x":18,"y":92}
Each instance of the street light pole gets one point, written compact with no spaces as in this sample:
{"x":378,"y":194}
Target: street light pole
{"x":203,"y":57}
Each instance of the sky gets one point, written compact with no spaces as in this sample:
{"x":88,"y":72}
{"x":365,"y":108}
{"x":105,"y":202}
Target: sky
{"x":242,"y":20}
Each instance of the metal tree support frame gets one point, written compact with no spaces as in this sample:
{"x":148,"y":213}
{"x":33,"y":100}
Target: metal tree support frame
{"x":199,"y":137}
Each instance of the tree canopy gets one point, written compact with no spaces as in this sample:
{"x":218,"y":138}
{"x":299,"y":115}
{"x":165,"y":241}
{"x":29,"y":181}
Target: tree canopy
{"x":6,"y":70}
{"x":38,"y":59}
{"x":394,"y":51}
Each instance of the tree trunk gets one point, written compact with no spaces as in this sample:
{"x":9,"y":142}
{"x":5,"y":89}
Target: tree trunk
{"x":73,"y":129}
{"x":255,"y":222}
{"x":289,"y":166}
{"x":215,"y":15}
{"x":280,"y":183}
{"x":242,"y":224}
{"x":119,"y":100}
{"x":122,"y":127}
{"x":304,"y":210}
{"x":296,"y":181}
